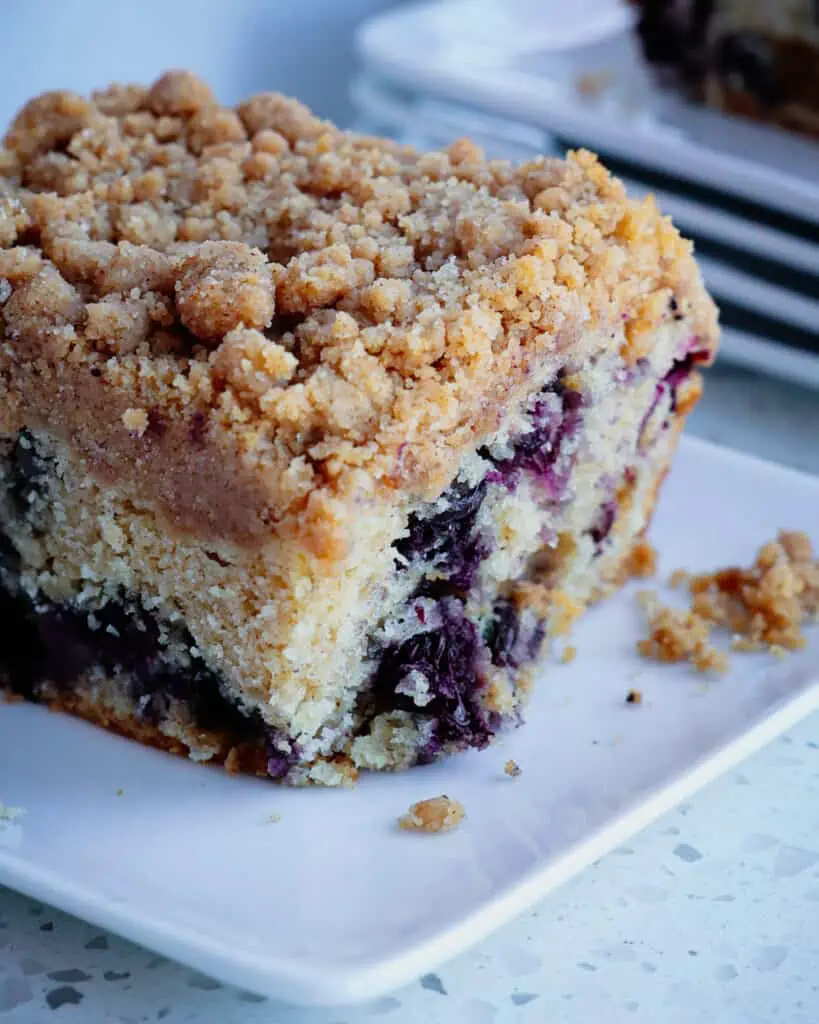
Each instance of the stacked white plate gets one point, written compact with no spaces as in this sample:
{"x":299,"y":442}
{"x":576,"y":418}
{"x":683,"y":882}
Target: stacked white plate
{"x":531,"y":76}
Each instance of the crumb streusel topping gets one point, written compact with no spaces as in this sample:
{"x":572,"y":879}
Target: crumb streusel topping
{"x":257,"y":320}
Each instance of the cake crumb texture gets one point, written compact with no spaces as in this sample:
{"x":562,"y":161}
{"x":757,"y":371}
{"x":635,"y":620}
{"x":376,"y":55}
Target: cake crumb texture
{"x":679,"y":636}
{"x":764,"y":607}
{"x":437,"y":814}
{"x":512,"y":769}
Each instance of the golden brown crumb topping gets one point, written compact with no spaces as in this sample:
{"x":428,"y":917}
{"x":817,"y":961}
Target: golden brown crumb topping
{"x":437,"y":814}
{"x":768,"y":604}
{"x":764,"y":607}
{"x":679,"y":636}
{"x":512,"y":769}
{"x":337,"y":304}
{"x":642,"y":562}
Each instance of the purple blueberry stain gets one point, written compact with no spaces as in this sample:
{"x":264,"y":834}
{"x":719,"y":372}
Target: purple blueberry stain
{"x":555,"y":419}
{"x":28,"y":472}
{"x":448,"y":540}
{"x":279,"y":760}
{"x":447,"y":658}
{"x":509,"y":642}
{"x":603,"y":524}
{"x":680,"y":370}
{"x":61,"y":643}
{"x":439,"y":674}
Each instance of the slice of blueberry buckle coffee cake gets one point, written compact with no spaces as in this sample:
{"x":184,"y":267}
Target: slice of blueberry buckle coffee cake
{"x":308,"y":441}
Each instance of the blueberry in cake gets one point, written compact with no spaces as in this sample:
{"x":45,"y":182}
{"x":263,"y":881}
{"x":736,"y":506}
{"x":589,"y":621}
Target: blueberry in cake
{"x":757,"y":58}
{"x":309,"y":441}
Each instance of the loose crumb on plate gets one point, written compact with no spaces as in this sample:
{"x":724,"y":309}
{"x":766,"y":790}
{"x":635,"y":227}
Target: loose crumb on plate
{"x":437,"y":814}
{"x":765,"y":607}
{"x":642,"y":562}
{"x":273,"y":819}
{"x":569,"y":654}
{"x":678,"y":636}
{"x":593,"y":83}
{"x":634,"y":697}
{"x":135,"y":421}
{"x":513,"y":769}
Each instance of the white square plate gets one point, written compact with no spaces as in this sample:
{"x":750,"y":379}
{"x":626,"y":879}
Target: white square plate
{"x":333,"y":904}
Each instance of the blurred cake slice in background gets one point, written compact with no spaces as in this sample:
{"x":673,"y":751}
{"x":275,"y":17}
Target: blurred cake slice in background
{"x":756,"y":58}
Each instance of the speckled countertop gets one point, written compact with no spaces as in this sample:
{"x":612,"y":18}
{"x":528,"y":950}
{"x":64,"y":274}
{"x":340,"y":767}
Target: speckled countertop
{"x":712,"y":913}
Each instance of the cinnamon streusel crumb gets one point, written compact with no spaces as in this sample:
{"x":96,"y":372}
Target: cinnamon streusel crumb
{"x":438,"y":814}
{"x":642,"y":562}
{"x":679,"y":636}
{"x":765,"y":607}
{"x":329,"y":314}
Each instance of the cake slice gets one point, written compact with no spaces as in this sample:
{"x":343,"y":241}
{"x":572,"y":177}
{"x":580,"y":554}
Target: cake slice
{"x":308,"y":441}
{"x":758,"y":58}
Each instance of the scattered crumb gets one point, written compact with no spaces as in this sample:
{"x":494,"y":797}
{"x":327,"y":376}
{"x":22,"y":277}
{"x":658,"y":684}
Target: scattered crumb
{"x":769,"y":603}
{"x":765,"y":607}
{"x":512,"y":768}
{"x":10,"y":813}
{"x":136,"y":421}
{"x":569,"y":654}
{"x":678,"y":578}
{"x":634,"y":697}
{"x":678,"y":636}
{"x":438,"y":814}
{"x":119,"y":792}
{"x":272,"y":819}
{"x":642,"y":562}
{"x":593,"y":83}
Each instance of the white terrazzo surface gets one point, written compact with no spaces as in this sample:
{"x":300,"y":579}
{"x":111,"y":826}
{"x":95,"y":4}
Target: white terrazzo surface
{"x":711,"y":914}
